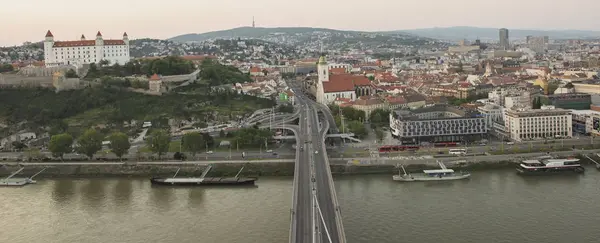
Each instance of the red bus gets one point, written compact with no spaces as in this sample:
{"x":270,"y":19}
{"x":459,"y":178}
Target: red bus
{"x":397,"y":148}
{"x":446,"y":144}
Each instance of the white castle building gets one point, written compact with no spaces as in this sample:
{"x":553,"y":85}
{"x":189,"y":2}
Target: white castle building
{"x":77,"y":53}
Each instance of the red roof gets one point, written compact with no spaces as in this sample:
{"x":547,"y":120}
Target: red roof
{"x":87,"y":43}
{"x":344,"y":82}
{"x":49,"y":34}
{"x":254,"y":70}
{"x":125,"y":34}
{"x":82,"y":36}
{"x":155,"y":77}
{"x":99,"y":34}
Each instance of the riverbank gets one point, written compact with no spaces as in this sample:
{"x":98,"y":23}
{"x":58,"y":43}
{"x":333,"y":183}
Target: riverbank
{"x":274,"y":168}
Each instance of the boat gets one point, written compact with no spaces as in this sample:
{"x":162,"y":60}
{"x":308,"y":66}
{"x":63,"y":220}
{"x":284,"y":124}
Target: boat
{"x":442,"y":174}
{"x":203,"y":180}
{"x":550,"y":166}
{"x":16,"y":181}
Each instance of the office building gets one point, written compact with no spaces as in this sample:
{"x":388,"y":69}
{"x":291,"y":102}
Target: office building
{"x":504,"y":40}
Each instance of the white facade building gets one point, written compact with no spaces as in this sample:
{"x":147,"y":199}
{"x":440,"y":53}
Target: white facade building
{"x":493,"y":114}
{"x":77,"y":53}
{"x":548,"y":122}
{"x":508,"y":98}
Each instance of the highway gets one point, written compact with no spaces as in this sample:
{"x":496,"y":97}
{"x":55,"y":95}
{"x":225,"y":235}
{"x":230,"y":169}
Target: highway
{"x":301,"y":228}
{"x":328,"y":219}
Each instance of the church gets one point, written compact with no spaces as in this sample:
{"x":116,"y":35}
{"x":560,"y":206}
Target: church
{"x":80,"y":52}
{"x":330,"y":87}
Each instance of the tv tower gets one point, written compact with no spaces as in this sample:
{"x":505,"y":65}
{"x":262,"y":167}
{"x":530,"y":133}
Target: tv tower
{"x":253,"y":25}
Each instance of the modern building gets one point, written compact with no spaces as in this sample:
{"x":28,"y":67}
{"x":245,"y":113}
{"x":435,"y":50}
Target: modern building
{"x":510,"y":97}
{"x":575,"y":101}
{"x":529,"y":124}
{"x":80,"y":52}
{"x":437,"y":123}
{"x":493,"y":114}
{"x":504,"y":40}
{"x":583,"y":121}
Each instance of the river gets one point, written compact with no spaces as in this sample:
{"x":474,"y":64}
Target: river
{"x":495,"y":206}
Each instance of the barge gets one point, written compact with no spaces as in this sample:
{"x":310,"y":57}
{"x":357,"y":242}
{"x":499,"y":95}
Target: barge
{"x":203,"y":180}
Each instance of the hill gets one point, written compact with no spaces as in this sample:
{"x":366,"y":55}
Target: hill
{"x":306,"y":35}
{"x":472,"y":33}
{"x":249,"y":32}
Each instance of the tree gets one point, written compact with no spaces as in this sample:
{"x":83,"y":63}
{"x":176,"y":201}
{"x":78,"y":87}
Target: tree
{"x":119,"y":144}
{"x":358,"y":128}
{"x":379,"y":117}
{"x":90,"y":142}
{"x":58,"y":127}
{"x":222,"y":133}
{"x":19,"y":146}
{"x":379,"y":134}
{"x":61,"y":144}
{"x":71,"y":74}
{"x":193,"y":142}
{"x":159,"y":142}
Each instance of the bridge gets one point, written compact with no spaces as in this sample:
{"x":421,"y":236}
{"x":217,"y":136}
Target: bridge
{"x":315,"y":213}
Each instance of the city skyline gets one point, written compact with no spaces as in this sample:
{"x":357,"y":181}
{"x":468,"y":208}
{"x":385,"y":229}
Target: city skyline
{"x":183,"y":17}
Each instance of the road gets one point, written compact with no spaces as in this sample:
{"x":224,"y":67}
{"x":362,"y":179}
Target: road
{"x":302,"y":228}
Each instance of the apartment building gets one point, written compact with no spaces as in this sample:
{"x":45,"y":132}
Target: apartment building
{"x":548,"y":122}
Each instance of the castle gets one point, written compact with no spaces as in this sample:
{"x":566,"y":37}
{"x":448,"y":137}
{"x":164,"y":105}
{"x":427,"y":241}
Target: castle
{"x":78,"y":53}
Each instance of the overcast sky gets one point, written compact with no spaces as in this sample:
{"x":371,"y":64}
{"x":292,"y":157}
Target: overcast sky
{"x":67,"y":19}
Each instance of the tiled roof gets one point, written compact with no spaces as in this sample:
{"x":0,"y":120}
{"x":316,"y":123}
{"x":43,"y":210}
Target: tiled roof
{"x":155,"y":77}
{"x":344,"y":82}
{"x":49,"y":34}
{"x":254,"y":70}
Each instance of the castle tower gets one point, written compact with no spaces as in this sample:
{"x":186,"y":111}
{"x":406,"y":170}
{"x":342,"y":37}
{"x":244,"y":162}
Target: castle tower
{"x":155,"y":84}
{"x":323,"y":70}
{"x":82,"y":37}
{"x":48,"y":44}
{"x":126,"y":38}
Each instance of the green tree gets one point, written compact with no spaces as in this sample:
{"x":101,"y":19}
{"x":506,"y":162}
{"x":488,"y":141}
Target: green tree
{"x":71,"y":74}
{"x":159,"y":142}
{"x":119,"y":144}
{"x":358,"y":128}
{"x":61,"y":144}
{"x":222,"y":133}
{"x":379,"y":117}
{"x":58,"y":127}
{"x":193,"y":142}
{"x":379,"y":134}
{"x":90,"y":142}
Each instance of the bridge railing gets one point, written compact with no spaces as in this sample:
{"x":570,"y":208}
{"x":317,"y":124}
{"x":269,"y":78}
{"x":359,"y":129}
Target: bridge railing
{"x":336,"y":204}
{"x":292,"y":235}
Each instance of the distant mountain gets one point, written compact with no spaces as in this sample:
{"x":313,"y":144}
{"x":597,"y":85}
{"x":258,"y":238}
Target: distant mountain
{"x":472,"y":33}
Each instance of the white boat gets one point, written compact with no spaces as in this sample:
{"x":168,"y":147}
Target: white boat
{"x":15,"y":181}
{"x":443,"y":174}
{"x":550,"y":166}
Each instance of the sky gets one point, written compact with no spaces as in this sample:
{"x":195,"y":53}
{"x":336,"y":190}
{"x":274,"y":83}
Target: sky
{"x":29,"y":20}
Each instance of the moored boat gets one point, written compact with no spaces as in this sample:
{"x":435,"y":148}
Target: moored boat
{"x":16,"y":181}
{"x":550,"y":166}
{"x":203,"y":180}
{"x":442,"y":174}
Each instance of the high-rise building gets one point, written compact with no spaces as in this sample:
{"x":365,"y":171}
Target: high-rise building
{"x":503,"y":34}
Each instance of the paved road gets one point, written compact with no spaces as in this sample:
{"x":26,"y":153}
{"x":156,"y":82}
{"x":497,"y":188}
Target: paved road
{"x":151,"y":162}
{"x":325,"y":190}
{"x":302,"y":231}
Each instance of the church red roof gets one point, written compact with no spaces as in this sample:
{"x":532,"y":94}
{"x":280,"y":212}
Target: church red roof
{"x":344,"y":82}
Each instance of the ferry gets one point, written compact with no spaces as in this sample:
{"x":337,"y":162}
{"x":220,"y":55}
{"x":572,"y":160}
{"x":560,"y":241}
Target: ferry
{"x":550,"y":166}
{"x":442,"y":174}
{"x":203,"y":180}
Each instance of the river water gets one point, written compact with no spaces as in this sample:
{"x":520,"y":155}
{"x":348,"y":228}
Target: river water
{"x":496,"y":207}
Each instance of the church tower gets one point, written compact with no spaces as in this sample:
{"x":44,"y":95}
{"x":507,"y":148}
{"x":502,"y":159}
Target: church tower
{"x":323,"y":70}
{"x":48,"y":44}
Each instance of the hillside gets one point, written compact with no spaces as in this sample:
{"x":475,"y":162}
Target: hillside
{"x":472,"y":33}
{"x":305,"y":35}
{"x":248,"y":32}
